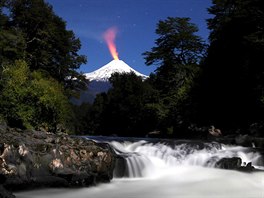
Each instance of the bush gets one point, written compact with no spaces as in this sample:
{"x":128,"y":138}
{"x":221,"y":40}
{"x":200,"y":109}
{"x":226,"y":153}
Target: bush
{"x":31,"y":99}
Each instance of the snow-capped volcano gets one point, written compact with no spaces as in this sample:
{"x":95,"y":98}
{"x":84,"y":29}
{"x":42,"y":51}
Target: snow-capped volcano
{"x":105,"y":72}
{"x":99,"y":80}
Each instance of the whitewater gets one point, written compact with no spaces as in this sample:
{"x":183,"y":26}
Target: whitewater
{"x":167,"y":169}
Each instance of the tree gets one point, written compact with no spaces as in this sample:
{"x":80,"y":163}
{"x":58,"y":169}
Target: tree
{"x":80,"y":119}
{"x":12,"y":43}
{"x":178,"y":53}
{"x":31,"y":99}
{"x":49,"y":46}
{"x":124,"y":109}
{"x":177,"y":46}
{"x":232,"y":81}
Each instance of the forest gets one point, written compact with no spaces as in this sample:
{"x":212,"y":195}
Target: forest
{"x":197,"y":83}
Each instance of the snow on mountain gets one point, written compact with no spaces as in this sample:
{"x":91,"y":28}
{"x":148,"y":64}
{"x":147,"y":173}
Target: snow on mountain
{"x":99,"y":80}
{"x":105,"y":72}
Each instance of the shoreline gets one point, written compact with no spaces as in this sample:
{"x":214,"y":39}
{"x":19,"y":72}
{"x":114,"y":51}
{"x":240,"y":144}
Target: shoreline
{"x":32,"y":159}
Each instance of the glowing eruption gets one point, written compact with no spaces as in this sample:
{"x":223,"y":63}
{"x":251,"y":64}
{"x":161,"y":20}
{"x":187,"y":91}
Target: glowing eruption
{"x":109,"y":37}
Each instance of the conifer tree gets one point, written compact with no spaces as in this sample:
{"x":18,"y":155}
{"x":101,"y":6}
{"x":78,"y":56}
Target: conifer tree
{"x":232,"y":81}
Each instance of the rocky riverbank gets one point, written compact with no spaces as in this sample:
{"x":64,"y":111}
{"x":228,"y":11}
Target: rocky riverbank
{"x":31,"y":159}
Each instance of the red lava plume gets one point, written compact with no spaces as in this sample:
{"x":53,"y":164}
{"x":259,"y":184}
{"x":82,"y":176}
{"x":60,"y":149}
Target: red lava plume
{"x":109,"y":37}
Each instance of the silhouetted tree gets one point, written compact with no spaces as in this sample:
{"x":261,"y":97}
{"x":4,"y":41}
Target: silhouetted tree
{"x":125,"y":109}
{"x":178,"y":53}
{"x":232,"y":81}
{"x":49,"y":46}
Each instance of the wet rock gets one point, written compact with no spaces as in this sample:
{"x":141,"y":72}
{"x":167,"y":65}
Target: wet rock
{"x":248,"y":167}
{"x":233,"y":163}
{"x":2,"y":179}
{"x":214,"y":132}
{"x":37,"y":159}
{"x":243,"y":140}
{"x":153,"y":134}
{"x":5,"y":193}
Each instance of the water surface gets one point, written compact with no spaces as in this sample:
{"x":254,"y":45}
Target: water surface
{"x":167,"y":170}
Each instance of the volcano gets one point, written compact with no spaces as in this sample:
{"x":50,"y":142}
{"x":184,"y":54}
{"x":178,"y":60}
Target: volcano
{"x":115,"y":66}
{"x":99,"y":80}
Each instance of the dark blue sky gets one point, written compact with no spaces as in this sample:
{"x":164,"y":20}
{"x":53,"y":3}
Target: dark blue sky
{"x":136,"y":21}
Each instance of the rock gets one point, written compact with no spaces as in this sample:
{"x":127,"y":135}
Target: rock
{"x":248,"y":167}
{"x":39,"y":134}
{"x":233,"y":163}
{"x":153,"y":134}
{"x":243,"y":140}
{"x":5,"y":194}
{"x":214,"y":132}
{"x":41,"y":159}
{"x":51,"y":181}
{"x":2,"y":178}
{"x":3,"y":128}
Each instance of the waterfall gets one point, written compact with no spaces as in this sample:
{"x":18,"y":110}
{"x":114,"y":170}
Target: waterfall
{"x":167,"y":168}
{"x":146,"y":159}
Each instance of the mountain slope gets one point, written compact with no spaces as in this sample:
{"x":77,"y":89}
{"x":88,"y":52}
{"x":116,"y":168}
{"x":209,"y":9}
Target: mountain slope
{"x":99,"y":80}
{"x":105,"y":72}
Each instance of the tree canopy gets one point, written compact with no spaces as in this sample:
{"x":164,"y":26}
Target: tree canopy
{"x":122,"y":109}
{"x":178,"y":53}
{"x":195,"y":84}
{"x":31,"y":99}
{"x":47,"y":44}
{"x":232,"y":81}
{"x":39,"y":60}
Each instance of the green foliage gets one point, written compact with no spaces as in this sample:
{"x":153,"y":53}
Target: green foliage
{"x":221,"y":85}
{"x":12,"y":43}
{"x":12,"y":46}
{"x":178,"y":53}
{"x":177,"y":43}
{"x":48,"y":45}
{"x":33,"y":91}
{"x":32,"y":100}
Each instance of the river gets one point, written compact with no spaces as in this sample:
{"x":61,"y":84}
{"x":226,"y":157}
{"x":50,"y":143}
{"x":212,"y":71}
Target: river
{"x":169,"y":169}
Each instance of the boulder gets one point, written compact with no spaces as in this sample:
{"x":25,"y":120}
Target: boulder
{"x":3,"y":192}
{"x":233,"y":163}
{"x":39,"y":159}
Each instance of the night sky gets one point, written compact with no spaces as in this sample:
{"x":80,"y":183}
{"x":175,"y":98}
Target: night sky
{"x":136,"y":21}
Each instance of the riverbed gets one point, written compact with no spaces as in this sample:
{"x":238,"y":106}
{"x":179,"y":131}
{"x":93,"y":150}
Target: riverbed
{"x":166,"y":170}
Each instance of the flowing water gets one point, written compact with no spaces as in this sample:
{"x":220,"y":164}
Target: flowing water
{"x":169,"y":169}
